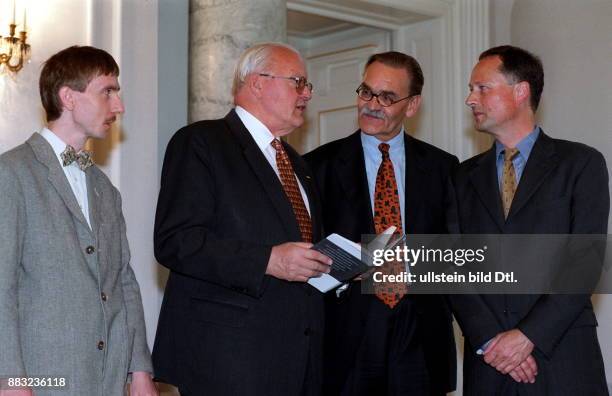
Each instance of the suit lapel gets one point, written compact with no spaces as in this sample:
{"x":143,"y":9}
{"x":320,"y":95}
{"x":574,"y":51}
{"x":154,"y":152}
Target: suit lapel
{"x":416,"y":175}
{"x":484,"y":180}
{"x":541,"y":161}
{"x":351,"y":171}
{"x":94,"y":200}
{"x":266,"y":175}
{"x":45,"y":155}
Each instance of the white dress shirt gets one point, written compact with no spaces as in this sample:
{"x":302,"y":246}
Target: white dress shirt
{"x":263,"y":137}
{"x":76,"y":177}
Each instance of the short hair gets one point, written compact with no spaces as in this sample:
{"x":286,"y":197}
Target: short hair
{"x":73,"y":67}
{"x":520,"y":65}
{"x":255,"y":59}
{"x":400,"y":60}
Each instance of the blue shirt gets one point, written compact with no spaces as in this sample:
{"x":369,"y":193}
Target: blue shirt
{"x":373,"y":158}
{"x":520,"y":160}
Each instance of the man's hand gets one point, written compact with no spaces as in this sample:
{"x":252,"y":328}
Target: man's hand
{"x":295,"y":261}
{"x":507,"y":350}
{"x":526,"y":371}
{"x":142,"y":385}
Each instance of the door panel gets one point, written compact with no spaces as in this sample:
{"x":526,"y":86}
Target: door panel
{"x":335,"y":69}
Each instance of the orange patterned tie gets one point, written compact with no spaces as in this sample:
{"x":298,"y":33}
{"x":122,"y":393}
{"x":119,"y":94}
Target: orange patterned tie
{"x":292,"y":190}
{"x":387,"y":212}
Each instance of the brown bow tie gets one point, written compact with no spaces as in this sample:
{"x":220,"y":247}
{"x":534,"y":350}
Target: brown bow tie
{"x":82,"y":158}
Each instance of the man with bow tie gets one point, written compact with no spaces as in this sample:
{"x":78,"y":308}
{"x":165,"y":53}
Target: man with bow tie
{"x":70,"y":306}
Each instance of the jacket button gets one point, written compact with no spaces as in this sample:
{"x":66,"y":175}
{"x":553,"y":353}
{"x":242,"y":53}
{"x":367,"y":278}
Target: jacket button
{"x":308,"y":331}
{"x":101,"y":345}
{"x":103,"y":296}
{"x":90,"y":249}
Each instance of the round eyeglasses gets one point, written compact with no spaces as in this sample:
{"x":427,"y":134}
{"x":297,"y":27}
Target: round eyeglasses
{"x":300,"y":82}
{"x":385,"y":99}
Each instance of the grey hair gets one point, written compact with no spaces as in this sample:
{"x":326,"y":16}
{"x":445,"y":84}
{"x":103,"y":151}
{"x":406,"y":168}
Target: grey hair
{"x":255,"y":60}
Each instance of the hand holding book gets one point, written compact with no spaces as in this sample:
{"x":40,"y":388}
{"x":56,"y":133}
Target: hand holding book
{"x":350,"y":259}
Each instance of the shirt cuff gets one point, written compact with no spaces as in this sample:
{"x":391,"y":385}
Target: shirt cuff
{"x":483,"y":348}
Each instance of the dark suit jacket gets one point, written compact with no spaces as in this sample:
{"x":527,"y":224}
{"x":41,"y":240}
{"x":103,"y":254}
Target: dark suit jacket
{"x":563,"y":190}
{"x":339,"y":169}
{"x":225,"y":327}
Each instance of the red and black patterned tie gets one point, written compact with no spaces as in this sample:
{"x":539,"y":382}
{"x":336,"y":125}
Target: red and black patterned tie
{"x":292,"y":191}
{"x":387,"y":212}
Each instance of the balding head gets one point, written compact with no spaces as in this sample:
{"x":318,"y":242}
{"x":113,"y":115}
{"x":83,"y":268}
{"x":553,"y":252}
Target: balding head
{"x":270,"y":83}
{"x":257,"y":59}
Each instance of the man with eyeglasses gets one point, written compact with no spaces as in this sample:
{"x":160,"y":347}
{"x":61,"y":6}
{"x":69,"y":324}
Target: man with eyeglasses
{"x":236,"y":217}
{"x":385,"y":344}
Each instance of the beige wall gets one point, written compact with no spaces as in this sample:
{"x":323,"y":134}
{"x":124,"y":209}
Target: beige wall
{"x":20,"y":111}
{"x":500,"y":19}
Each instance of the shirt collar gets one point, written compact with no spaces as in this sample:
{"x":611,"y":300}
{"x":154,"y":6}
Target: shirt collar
{"x":56,"y":143}
{"x":262,"y":135}
{"x":370,"y":142}
{"x":524,"y":146}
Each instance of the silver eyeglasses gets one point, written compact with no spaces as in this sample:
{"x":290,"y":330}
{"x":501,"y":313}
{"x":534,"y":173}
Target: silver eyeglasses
{"x":300,"y":82}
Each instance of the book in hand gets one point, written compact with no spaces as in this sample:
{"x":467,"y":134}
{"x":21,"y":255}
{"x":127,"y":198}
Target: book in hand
{"x":349,"y":259}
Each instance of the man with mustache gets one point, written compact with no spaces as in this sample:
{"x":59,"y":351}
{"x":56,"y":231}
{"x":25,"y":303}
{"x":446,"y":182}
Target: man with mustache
{"x":236,"y":217}
{"x":71,"y":317}
{"x":526,"y":183}
{"x":385,"y":344}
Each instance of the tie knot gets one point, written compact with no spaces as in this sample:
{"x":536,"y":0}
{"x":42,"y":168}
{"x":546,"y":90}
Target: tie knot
{"x":510,"y":153}
{"x":278,"y":146}
{"x":384,"y":149}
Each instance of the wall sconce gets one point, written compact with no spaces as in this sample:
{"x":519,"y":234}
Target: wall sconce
{"x":14,"y":51}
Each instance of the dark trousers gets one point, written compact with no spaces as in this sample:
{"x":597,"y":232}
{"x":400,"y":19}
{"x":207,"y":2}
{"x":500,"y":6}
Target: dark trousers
{"x":390,"y":359}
